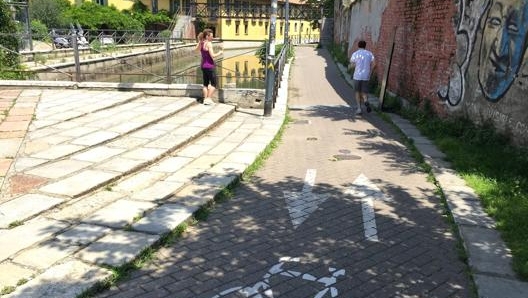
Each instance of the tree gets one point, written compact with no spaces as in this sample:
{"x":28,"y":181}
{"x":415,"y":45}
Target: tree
{"x":93,"y":16}
{"x":50,"y":12}
{"x":328,"y":6}
{"x":9,"y":43}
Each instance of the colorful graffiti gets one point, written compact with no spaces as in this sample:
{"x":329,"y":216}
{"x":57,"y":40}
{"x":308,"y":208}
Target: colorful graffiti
{"x":470,"y":13}
{"x":503,"y":41}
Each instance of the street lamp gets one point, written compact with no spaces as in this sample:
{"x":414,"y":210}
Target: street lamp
{"x":25,"y":13}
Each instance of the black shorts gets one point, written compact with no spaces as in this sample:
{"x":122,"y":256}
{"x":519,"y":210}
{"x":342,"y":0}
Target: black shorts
{"x":361,"y":86}
{"x":209,"y":77}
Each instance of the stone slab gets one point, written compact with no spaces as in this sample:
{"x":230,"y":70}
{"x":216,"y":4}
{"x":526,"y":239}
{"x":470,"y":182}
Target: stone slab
{"x":9,"y":147}
{"x":145,"y":154}
{"x":158,"y":191}
{"x":27,"y":162}
{"x":57,"y":151}
{"x":498,"y":287}
{"x":45,"y":254}
{"x":98,"y":154}
{"x":487,"y":253}
{"x":24,"y":236}
{"x":83,"y":234}
{"x":119,"y":213}
{"x":66,"y":280}
{"x":194,"y":196}
{"x":59,"y":168}
{"x":163,"y":219}
{"x":170,"y":164}
{"x":11,"y":273}
{"x":449,"y":178}
{"x":95,"y":138}
{"x":430,"y":150}
{"x":79,"y":183}
{"x":85,"y":205}
{"x":468,"y":212}
{"x":138,"y":181}
{"x":24,"y":207}
{"x":117,"y":248}
{"x":246,"y":158}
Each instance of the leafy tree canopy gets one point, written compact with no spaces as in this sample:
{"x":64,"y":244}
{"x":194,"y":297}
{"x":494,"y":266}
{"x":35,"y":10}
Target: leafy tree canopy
{"x":328,"y":6}
{"x":93,"y":16}
{"x":9,"y":42}
{"x":50,"y":12}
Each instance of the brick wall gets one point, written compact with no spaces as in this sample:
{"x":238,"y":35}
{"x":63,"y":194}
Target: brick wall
{"x":449,"y":52}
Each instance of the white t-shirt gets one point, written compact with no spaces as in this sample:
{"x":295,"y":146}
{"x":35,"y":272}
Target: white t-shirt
{"x":362,"y":60}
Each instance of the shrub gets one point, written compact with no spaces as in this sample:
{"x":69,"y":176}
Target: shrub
{"x":39,"y":31}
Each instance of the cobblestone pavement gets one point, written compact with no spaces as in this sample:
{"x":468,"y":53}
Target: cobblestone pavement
{"x":340,"y":209}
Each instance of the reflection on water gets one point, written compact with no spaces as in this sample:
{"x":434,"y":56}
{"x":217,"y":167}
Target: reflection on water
{"x":236,"y":69}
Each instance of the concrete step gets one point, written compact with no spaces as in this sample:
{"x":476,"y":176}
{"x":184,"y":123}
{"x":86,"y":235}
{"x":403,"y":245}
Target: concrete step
{"x":96,"y":181}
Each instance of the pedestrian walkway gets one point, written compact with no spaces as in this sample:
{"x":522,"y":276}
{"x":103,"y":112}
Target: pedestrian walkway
{"x":339,"y":209}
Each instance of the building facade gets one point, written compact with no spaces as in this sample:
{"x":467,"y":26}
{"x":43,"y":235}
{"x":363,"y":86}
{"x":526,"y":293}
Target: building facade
{"x":238,"y":19}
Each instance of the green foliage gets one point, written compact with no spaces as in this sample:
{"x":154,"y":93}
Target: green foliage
{"x":328,"y":6}
{"x":494,"y":168}
{"x":165,"y":34}
{"x":148,"y":19}
{"x":391,"y":103}
{"x":92,"y":16}
{"x":200,"y":24}
{"x":50,"y":12}
{"x":9,"y":43}
{"x":339,"y":54}
{"x":39,"y":31}
{"x":139,"y":7}
{"x":261,"y":52}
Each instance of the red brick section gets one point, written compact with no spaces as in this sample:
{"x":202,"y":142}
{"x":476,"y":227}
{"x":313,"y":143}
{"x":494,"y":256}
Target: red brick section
{"x":14,"y":121}
{"x":425,"y":46}
{"x":19,"y":184}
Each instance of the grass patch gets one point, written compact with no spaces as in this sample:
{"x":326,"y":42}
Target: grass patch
{"x":15,"y":224}
{"x":491,"y":166}
{"x":122,"y":272}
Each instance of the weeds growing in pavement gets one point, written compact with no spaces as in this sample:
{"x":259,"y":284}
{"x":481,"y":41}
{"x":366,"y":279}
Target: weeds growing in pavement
{"x":122,"y":272}
{"x":491,"y":166}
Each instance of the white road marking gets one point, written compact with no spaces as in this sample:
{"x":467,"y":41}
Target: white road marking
{"x":368,"y":192}
{"x":302,"y":204}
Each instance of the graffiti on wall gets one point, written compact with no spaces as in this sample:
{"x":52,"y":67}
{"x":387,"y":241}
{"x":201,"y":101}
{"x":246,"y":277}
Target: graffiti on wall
{"x":500,"y":54}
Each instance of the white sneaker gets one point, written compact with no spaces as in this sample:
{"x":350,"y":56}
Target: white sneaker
{"x":358,"y":111}
{"x":208,"y":101}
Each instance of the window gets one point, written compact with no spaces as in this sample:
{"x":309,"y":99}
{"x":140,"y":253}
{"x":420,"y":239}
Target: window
{"x":101,"y":2}
{"x":174,"y":6}
{"x":237,"y":27}
{"x":295,"y":27}
{"x":246,"y":28}
{"x":154,"y":4}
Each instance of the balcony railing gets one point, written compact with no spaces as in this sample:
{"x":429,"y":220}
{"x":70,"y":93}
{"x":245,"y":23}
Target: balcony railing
{"x":249,"y":11}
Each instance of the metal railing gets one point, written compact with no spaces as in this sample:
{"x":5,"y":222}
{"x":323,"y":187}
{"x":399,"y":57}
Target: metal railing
{"x":250,"y":10}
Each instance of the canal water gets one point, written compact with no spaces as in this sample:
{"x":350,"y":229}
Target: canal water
{"x":235,"y":69}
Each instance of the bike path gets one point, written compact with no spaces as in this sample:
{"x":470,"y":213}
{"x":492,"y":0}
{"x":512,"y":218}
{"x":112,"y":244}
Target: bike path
{"x":340,"y":209}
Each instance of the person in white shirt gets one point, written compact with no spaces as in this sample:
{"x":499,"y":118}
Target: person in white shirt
{"x":363,"y":62}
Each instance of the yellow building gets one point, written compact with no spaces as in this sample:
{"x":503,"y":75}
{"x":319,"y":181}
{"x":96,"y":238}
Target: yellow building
{"x":236,"y":19}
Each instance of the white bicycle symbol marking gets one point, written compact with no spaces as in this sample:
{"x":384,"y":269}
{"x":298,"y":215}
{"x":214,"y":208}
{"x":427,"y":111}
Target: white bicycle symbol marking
{"x":263,"y":287}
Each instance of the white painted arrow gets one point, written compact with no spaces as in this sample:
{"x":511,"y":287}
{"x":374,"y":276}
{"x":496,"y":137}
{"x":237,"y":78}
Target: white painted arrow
{"x":302,"y":204}
{"x":368,"y":192}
